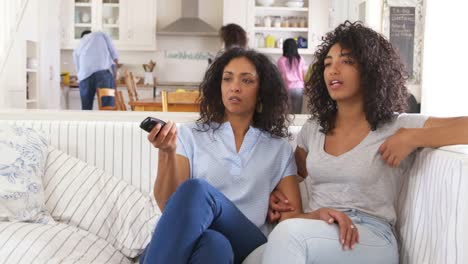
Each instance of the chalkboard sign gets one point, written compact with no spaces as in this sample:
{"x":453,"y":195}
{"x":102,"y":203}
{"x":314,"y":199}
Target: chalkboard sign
{"x":402,"y":24}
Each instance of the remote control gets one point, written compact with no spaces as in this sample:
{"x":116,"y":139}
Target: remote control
{"x":150,"y":122}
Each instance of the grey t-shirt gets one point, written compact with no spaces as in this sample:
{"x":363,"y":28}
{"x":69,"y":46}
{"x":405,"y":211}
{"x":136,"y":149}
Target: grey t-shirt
{"x":357,"y":179}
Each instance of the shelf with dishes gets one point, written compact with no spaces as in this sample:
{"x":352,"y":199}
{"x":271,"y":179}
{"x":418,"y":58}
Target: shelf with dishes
{"x":273,"y":21}
{"x":78,"y":4}
{"x":83,"y":25}
{"x":281,"y":8}
{"x":280,"y":29}
{"x":110,"y":5}
{"x":276,"y":4}
{"x":110,"y":25}
{"x":280,"y":51}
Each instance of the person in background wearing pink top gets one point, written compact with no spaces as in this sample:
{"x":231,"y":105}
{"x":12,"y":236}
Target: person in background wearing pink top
{"x":292,"y":68}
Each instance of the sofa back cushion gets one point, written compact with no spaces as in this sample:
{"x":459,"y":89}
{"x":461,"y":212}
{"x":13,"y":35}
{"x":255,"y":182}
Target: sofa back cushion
{"x":119,"y":148}
{"x":23,"y":152}
{"x":87,"y":197}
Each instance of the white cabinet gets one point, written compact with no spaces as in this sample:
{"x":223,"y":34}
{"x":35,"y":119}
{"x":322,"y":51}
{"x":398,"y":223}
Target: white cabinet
{"x":268,"y":26}
{"x":235,"y":11}
{"x":138,"y":25}
{"x":131,"y":24}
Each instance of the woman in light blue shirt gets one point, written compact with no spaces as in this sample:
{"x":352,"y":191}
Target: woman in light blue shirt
{"x":215,"y":176}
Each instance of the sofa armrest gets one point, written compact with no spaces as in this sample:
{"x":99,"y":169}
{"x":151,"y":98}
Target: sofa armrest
{"x":432,"y":208}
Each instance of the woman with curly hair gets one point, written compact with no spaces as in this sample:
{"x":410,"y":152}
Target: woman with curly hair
{"x":215,"y":176}
{"x":352,"y":152}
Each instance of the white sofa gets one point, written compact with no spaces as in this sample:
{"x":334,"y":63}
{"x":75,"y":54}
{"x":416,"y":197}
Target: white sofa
{"x":432,"y":206}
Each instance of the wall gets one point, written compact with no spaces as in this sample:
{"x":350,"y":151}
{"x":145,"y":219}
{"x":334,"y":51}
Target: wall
{"x":235,"y":11}
{"x":444,"y":89}
{"x":49,"y":32}
{"x":39,"y":24}
{"x":13,"y":89}
{"x":342,"y":10}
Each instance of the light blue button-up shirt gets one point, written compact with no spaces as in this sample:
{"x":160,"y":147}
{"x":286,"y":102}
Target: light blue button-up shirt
{"x":95,"y":52}
{"x":246,"y":177}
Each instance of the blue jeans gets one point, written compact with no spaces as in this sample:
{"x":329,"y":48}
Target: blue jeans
{"x":200,"y":225}
{"x":306,"y":241}
{"x":88,"y":86}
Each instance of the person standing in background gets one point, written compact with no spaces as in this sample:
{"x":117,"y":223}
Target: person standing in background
{"x":292,"y":68}
{"x":96,"y":65}
{"x":233,"y":35}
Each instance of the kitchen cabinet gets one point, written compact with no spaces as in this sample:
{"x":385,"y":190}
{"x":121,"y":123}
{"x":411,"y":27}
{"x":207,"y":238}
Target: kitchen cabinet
{"x":131,"y":24}
{"x":269,"y":26}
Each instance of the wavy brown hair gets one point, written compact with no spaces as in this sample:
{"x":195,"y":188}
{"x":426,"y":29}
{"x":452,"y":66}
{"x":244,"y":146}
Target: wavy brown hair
{"x":272,"y":94}
{"x":233,"y":35}
{"x":381,"y":72}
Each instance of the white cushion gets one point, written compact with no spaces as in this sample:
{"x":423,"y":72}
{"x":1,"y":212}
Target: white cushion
{"x":82,"y":195}
{"x":23,"y":152}
{"x":54,"y":243}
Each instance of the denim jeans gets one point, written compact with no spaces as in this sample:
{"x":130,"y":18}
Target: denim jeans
{"x":200,"y":225}
{"x":88,"y":86}
{"x":306,"y":241}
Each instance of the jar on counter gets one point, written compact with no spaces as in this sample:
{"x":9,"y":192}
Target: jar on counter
{"x":279,"y":43}
{"x":285,"y":22}
{"x":259,"y":40}
{"x":267,"y":21}
{"x":294,"y":22}
{"x":258,"y":21}
{"x":302,"y":22}
{"x":277,"y":22}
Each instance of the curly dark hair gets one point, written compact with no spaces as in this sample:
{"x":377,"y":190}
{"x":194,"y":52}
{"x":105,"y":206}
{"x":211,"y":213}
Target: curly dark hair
{"x":233,"y":35}
{"x":272,"y":94}
{"x":381,"y":71}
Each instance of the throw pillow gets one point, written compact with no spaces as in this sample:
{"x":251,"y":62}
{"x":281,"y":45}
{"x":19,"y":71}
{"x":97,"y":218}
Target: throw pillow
{"x":23,"y":152}
{"x":87,"y":197}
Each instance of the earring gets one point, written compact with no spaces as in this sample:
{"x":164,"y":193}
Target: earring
{"x":259,"y":107}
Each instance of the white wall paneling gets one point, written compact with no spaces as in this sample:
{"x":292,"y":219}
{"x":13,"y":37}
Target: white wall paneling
{"x":444,"y":91}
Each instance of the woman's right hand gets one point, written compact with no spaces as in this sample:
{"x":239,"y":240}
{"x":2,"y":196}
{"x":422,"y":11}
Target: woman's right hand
{"x":165,"y":139}
{"x":349,"y":234}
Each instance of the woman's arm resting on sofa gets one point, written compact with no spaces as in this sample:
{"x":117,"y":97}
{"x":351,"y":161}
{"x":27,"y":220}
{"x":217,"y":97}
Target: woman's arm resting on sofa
{"x":437,"y":132}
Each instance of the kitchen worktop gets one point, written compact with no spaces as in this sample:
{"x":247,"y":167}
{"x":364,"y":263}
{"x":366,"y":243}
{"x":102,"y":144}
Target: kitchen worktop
{"x":163,"y":83}
{"x":71,"y":93}
{"x":166,"y":83}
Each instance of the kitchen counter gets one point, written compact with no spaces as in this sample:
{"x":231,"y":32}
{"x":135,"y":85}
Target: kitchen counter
{"x":190,"y":84}
{"x":71,"y":93}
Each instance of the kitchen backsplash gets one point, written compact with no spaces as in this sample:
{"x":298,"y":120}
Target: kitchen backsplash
{"x":171,"y":65}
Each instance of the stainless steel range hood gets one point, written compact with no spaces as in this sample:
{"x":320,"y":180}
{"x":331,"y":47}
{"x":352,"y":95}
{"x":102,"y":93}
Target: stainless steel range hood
{"x":190,"y":23}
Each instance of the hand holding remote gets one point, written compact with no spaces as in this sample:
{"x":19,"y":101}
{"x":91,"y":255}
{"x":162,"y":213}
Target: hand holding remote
{"x":150,"y":122}
{"x":165,"y":139}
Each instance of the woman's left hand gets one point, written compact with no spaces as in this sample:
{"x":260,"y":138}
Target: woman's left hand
{"x":397,"y":147}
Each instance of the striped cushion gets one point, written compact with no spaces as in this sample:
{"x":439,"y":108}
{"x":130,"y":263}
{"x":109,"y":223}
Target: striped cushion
{"x":82,"y":195}
{"x":54,"y":243}
{"x":433,"y":212}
